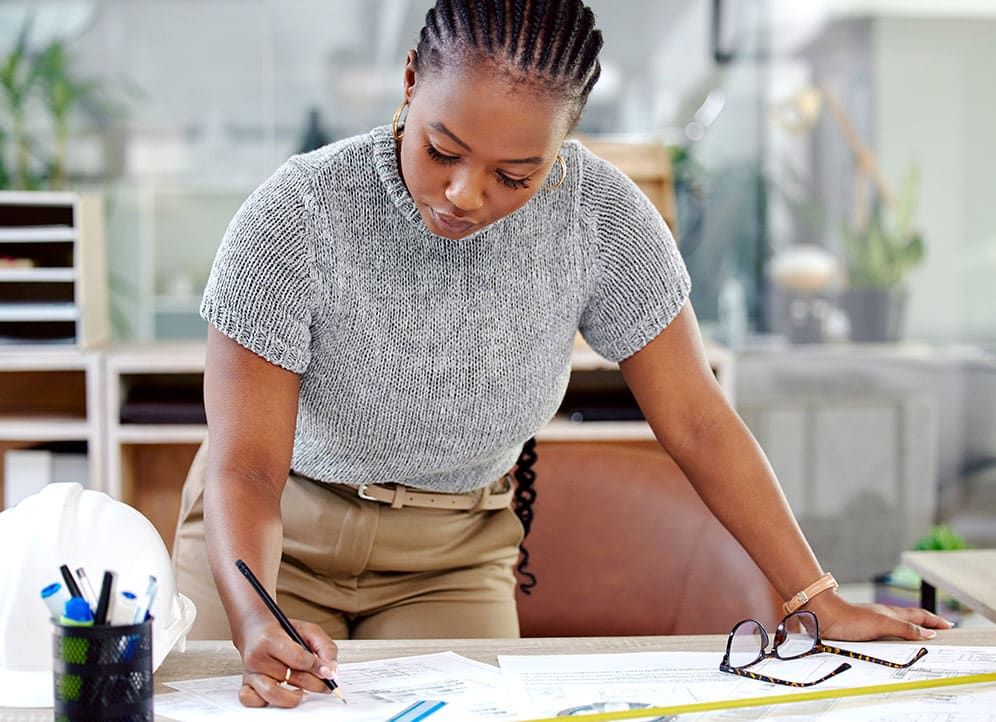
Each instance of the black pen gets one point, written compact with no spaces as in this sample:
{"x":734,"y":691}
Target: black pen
{"x":103,"y":611}
{"x":284,"y":621}
{"x":70,"y":580}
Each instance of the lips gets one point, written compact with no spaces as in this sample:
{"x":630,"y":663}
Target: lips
{"x":450,"y":224}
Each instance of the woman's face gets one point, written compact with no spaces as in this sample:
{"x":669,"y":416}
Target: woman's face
{"x":476,"y":148}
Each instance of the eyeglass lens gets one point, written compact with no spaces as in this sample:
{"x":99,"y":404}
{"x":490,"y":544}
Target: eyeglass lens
{"x":747,"y":643}
{"x":796,"y":636}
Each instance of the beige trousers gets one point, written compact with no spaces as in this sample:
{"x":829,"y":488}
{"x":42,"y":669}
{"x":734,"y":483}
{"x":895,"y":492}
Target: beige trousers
{"x":363,"y":570}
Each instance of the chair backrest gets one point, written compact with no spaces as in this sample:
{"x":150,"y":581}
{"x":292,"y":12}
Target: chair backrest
{"x":621,"y":544}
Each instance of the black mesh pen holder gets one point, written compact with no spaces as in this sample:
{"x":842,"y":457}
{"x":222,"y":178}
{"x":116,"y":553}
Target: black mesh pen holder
{"x":103,"y":673}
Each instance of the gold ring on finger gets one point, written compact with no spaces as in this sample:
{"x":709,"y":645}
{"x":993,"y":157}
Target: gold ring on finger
{"x":287,"y":676}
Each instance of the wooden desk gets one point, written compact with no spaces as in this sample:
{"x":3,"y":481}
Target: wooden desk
{"x":215,"y":659}
{"x":968,"y":576}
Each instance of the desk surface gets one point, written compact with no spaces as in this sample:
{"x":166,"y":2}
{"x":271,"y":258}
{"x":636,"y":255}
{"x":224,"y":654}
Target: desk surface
{"x":969,"y":576}
{"x":215,"y":659}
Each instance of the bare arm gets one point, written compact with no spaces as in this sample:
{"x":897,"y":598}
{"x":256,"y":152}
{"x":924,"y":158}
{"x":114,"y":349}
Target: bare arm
{"x":675,"y":387}
{"x":252,"y":410}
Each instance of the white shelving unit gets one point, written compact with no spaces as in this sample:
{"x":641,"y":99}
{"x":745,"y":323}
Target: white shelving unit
{"x":53,"y":312}
{"x":52,"y":272}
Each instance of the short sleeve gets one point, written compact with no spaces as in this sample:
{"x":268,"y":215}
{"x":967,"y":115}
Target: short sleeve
{"x":261,"y":289}
{"x":640,"y":281}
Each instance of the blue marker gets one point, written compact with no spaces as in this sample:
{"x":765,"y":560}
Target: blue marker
{"x":418,"y":711}
{"x":55,"y":597}
{"x":124,"y":609}
{"x":76,"y":613}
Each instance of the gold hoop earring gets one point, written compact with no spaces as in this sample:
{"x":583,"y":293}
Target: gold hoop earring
{"x":563,"y":174}
{"x":399,"y":134}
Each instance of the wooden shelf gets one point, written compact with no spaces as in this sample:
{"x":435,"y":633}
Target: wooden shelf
{"x":161,"y":433}
{"x":45,"y":429}
{"x":566,"y":430}
{"x":52,"y":395}
{"x":38,"y":312}
{"x":39,"y":234}
{"x":37,"y":275}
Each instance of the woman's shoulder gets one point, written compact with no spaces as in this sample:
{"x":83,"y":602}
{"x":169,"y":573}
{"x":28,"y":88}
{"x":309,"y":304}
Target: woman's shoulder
{"x":345,"y":154}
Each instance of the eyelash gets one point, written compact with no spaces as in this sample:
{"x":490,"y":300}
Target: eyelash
{"x":513,"y":183}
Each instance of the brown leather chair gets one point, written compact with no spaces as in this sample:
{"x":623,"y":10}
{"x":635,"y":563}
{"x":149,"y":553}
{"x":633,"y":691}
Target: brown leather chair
{"x":621,"y":544}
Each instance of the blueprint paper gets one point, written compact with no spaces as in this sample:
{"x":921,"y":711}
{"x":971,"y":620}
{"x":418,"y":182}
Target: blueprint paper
{"x":543,"y":685}
{"x":374,"y":690}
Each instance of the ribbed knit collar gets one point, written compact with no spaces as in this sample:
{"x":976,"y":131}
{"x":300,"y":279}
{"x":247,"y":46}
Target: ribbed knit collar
{"x":386,"y":160}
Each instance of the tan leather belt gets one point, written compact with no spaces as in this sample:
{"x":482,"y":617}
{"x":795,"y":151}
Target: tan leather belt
{"x":496,"y":496}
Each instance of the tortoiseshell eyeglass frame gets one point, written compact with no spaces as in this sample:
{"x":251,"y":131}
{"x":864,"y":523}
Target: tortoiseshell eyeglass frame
{"x":808,"y":620}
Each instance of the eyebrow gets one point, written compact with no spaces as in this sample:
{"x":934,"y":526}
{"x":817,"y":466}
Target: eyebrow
{"x":533,"y":160}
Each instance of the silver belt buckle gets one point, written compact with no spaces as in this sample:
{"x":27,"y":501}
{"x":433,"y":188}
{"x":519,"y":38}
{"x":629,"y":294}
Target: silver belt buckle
{"x":361,"y":491}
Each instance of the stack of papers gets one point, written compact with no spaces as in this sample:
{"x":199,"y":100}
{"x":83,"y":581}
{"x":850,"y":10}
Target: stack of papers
{"x":529,"y":687}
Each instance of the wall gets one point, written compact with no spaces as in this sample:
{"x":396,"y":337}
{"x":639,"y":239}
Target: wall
{"x":936,"y":104}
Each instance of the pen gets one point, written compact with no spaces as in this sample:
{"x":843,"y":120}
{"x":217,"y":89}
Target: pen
{"x":142,"y":608}
{"x":84,"y":584}
{"x":282,"y":618}
{"x":70,"y":580}
{"x":101,"y":614}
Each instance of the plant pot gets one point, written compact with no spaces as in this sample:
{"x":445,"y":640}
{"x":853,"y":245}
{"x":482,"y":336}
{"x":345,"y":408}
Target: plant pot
{"x":876,"y":314}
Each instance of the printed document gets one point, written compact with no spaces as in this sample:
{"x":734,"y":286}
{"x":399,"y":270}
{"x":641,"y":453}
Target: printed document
{"x":547,"y":685}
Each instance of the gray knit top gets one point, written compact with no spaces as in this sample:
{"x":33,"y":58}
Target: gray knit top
{"x":424,"y":360}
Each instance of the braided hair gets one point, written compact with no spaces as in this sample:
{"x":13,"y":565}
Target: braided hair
{"x":525,"y":495}
{"x":549,"y":45}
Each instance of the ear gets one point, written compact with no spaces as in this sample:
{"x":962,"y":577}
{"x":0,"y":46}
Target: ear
{"x":410,"y":75}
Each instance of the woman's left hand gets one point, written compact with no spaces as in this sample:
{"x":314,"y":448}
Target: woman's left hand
{"x":843,"y":621}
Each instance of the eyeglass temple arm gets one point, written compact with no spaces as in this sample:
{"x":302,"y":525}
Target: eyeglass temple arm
{"x":844,"y":666}
{"x":820,"y":647}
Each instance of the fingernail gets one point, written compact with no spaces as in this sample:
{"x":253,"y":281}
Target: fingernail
{"x":327,"y":672}
{"x":927,"y":633}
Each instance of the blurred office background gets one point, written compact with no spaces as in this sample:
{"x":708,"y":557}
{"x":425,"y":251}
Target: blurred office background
{"x":791,"y":127}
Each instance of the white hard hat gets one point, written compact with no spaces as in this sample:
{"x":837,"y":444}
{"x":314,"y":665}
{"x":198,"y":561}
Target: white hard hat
{"x":67,"y":524}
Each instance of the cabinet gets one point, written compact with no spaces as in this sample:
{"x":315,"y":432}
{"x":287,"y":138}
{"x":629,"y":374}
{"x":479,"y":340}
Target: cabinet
{"x":155,"y":422}
{"x":52,"y":395}
{"x":52,"y":272}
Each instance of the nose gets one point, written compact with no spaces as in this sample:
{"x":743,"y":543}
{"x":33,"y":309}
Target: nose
{"x":465,"y":190}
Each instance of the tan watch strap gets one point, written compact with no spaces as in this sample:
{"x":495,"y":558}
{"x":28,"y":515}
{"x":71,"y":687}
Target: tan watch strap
{"x":820,"y":585}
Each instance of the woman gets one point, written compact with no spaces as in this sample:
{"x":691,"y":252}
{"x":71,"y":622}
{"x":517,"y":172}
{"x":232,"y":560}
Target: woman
{"x":399,"y":308}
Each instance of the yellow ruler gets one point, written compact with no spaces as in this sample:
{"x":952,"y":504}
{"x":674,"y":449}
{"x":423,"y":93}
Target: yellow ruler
{"x":779,"y":699}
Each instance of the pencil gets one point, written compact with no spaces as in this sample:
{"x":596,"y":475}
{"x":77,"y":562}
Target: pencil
{"x":282,"y":618}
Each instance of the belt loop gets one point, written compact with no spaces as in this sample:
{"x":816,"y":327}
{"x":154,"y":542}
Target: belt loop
{"x":483,"y":499}
{"x":398,"y":501}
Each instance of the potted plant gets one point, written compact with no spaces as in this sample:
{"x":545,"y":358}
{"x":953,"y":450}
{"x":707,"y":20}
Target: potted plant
{"x":879,"y":255}
{"x":46,"y":81}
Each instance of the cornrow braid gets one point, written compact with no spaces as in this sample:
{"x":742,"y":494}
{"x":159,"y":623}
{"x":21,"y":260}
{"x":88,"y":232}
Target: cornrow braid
{"x":553,"y":43}
{"x":525,"y":495}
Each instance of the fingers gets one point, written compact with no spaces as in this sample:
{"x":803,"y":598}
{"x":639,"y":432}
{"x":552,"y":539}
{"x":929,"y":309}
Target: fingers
{"x":923,"y":622}
{"x":878,"y":621}
{"x":924,"y":618}
{"x":324,"y":664}
{"x":262,"y":690}
{"x":279,"y":671}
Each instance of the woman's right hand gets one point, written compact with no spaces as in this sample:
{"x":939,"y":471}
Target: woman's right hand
{"x":267,"y":655}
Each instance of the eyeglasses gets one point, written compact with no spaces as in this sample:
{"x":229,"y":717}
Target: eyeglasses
{"x":798,"y":635}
